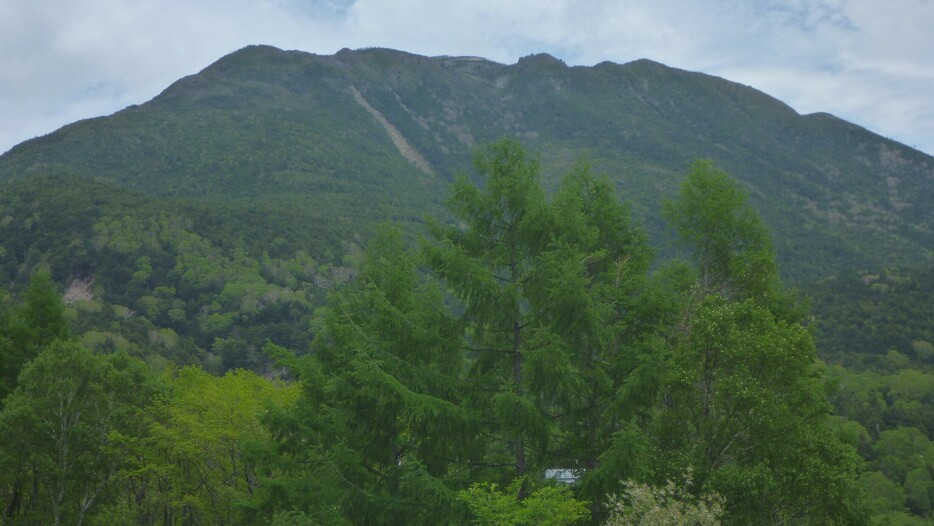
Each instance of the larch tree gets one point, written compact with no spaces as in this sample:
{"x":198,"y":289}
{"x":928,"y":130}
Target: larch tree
{"x":380,"y":414}
{"x":596,"y":295}
{"x":488,"y":261}
{"x":547,"y":290}
{"x":30,"y":326}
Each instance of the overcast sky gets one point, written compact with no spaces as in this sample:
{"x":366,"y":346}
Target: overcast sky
{"x":868,"y":61}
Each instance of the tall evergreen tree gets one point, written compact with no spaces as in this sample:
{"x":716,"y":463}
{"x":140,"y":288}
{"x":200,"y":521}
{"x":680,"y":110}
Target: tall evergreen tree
{"x":29,"y":327}
{"x":380,"y":415}
{"x":596,"y":295}
{"x":548,"y":292}
{"x":488,"y":260}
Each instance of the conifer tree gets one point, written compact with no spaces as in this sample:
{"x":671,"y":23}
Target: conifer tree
{"x":548,"y":291}
{"x":488,"y":260}
{"x":42,"y":312}
{"x":599,"y":299}
{"x":380,"y":415}
{"x":29,"y":327}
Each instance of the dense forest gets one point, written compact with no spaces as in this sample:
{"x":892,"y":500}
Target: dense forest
{"x":525,"y":358}
{"x":284,"y":151}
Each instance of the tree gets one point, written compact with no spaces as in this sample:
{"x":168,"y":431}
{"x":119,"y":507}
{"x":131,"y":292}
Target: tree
{"x":379,"y":421}
{"x":730,"y":245}
{"x":597,"y":297}
{"x":552,"y":295}
{"x":43,"y":312}
{"x":203,"y":456}
{"x":744,"y":405}
{"x":9,"y":357}
{"x":488,"y":259}
{"x":745,"y":409}
{"x":58,"y":428}
{"x":899,"y":451}
{"x":29,"y":327}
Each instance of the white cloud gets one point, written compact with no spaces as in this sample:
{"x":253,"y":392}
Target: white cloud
{"x":866,"y":61}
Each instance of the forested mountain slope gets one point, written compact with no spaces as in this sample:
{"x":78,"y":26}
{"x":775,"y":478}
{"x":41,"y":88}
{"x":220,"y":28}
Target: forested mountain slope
{"x":210,"y":225}
{"x":446,"y":380}
{"x":340,"y":142}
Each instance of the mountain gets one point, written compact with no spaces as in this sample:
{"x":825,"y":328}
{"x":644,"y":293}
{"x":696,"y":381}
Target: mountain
{"x":238,"y":196}
{"x":341,"y":141}
{"x":217,"y":217}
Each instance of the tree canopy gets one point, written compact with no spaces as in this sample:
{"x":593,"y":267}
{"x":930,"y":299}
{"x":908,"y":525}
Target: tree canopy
{"x":447,"y":381}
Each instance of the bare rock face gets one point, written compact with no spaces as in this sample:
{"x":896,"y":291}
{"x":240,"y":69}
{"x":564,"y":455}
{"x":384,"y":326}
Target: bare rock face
{"x":79,"y":290}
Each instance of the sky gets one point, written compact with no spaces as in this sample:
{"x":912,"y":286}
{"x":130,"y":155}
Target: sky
{"x":870,"y":62}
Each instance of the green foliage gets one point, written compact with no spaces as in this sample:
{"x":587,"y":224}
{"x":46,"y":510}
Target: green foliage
{"x":9,"y":359}
{"x":731,"y":248}
{"x":741,"y":379}
{"x":62,"y":429}
{"x":528,"y":333}
{"x":203,"y":456}
{"x":29,"y":327}
{"x":549,"y":505}
{"x":862,"y":316}
{"x":744,"y":371}
{"x":270,"y":150}
{"x":489,"y":264}
{"x":42,"y":312}
{"x":380,"y":410}
{"x":196,"y":293}
{"x":218,"y":216}
{"x":554,"y":296}
{"x":894,"y":410}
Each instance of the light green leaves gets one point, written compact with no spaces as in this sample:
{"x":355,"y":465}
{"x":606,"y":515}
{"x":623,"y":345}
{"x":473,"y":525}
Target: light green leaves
{"x":730,"y":245}
{"x":549,"y":505}
{"x":61,"y":429}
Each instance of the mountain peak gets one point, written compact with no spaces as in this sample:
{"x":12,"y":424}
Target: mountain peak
{"x":540,"y":60}
{"x":253,"y":53}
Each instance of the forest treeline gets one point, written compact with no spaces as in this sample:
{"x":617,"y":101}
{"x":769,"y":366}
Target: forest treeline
{"x":448,"y":381}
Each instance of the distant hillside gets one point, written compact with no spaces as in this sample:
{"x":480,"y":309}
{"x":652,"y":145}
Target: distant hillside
{"x":345,"y":140}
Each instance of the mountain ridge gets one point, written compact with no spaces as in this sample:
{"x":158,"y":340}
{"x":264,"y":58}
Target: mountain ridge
{"x":262,"y":122}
